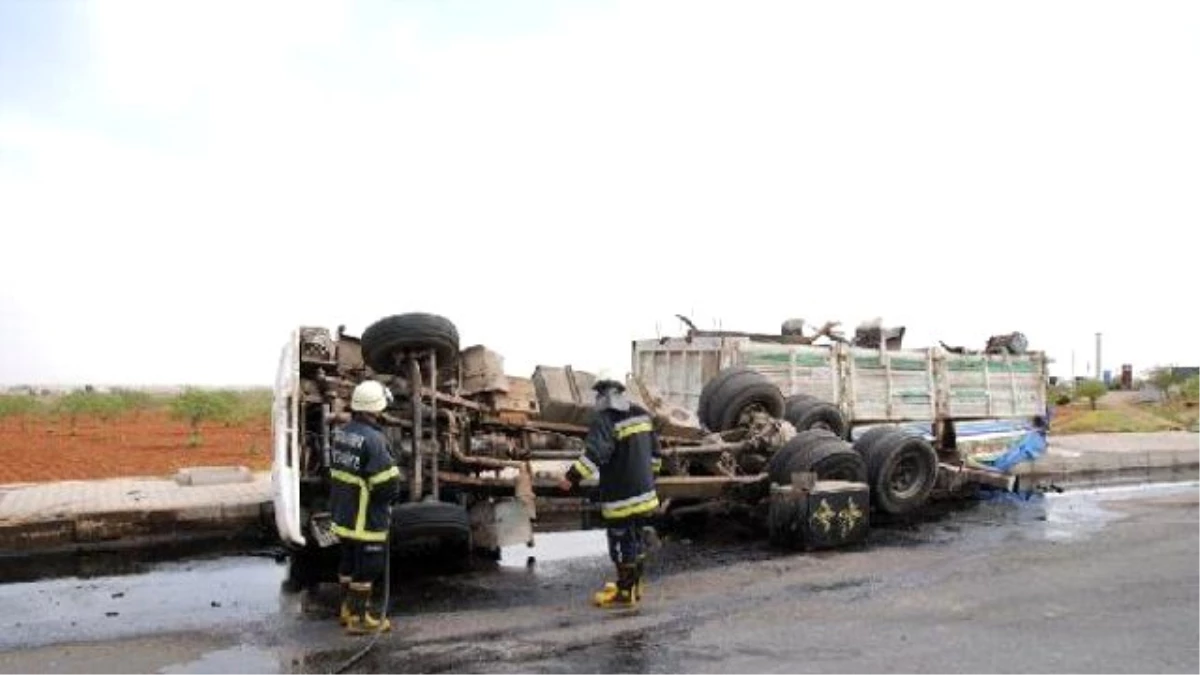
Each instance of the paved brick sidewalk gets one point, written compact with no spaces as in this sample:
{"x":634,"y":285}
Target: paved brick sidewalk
{"x":47,"y":501}
{"x":36,"y":517}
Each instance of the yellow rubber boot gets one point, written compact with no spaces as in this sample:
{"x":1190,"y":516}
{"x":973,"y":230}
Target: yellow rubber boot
{"x":362,"y":622}
{"x":369,"y":625}
{"x":605,"y":595}
{"x":616,"y":598}
{"x":621,"y":594}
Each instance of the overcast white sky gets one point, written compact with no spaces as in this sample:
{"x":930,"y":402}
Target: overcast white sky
{"x":182,"y":183}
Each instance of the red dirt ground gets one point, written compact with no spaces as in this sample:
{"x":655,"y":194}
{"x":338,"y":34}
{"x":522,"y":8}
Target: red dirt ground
{"x":42,"y":449}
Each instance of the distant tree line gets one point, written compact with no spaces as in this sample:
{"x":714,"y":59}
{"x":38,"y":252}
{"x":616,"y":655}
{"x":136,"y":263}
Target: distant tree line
{"x":192,"y":406}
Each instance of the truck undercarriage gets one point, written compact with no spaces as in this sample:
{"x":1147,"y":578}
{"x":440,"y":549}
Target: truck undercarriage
{"x":469,"y":439}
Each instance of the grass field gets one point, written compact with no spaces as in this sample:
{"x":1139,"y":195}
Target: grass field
{"x":1120,"y":412}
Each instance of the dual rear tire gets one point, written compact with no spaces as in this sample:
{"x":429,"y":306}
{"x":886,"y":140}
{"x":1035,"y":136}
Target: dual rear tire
{"x":728,"y":399}
{"x":901,"y":469}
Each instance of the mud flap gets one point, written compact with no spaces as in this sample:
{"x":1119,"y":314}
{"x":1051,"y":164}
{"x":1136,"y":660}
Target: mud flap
{"x":830,"y":514}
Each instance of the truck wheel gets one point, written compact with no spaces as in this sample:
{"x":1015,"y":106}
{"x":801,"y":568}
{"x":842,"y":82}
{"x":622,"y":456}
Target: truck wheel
{"x":832,"y":459}
{"x":436,"y":520}
{"x":777,"y":467}
{"x":714,"y":384}
{"x":387,"y":337}
{"x":740,"y":394}
{"x":863,"y":443}
{"x":903,"y":470}
{"x":822,"y":453}
{"x":809,"y":412}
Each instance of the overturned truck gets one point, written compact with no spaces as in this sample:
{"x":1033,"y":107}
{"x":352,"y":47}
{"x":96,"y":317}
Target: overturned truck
{"x":760,"y":428}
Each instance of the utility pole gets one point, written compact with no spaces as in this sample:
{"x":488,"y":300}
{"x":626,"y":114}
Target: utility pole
{"x":1099,"y":371}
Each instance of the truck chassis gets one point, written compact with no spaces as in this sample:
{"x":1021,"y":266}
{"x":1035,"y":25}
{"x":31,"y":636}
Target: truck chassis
{"x":467,"y":459}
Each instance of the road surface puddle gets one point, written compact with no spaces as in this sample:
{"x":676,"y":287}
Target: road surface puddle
{"x":1077,"y":514}
{"x":556,"y":547}
{"x":239,"y":659}
{"x":195,"y":595}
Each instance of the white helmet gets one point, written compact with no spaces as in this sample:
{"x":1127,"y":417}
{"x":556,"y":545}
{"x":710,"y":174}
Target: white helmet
{"x":605,"y":380}
{"x":370,"y":396}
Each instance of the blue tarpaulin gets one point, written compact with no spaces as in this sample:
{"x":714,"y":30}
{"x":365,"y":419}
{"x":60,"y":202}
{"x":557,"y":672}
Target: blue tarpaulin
{"x":1026,"y":449}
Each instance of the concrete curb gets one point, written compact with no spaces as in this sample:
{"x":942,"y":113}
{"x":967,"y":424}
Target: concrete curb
{"x":93,"y":531}
{"x":123,"y":513}
{"x":1073,"y":480}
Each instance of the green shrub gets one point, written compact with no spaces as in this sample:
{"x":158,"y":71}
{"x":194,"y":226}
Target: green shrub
{"x":1191,"y":390}
{"x":1092,"y":390}
{"x":252,"y":404}
{"x":197,"y":406}
{"x":81,"y":403}
{"x":1060,"y":394}
{"x":20,"y":406}
{"x":133,"y":400}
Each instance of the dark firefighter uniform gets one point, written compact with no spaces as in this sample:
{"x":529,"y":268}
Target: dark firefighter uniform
{"x":622,"y":447}
{"x":365,"y":483}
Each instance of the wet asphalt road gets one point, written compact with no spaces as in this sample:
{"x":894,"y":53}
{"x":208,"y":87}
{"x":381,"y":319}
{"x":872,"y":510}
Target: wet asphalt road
{"x":1081,"y":582}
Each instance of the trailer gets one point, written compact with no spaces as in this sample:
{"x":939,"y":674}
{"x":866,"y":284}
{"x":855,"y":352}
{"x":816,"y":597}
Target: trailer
{"x":750,"y":430}
{"x":895,"y":409}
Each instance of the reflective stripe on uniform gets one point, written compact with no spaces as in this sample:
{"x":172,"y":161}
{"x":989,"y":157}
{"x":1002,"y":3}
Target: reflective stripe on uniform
{"x":633,"y":506}
{"x":383,"y":476}
{"x":345,"y":477}
{"x":656,"y":465}
{"x":586,"y":467}
{"x":364,"y":535}
{"x":634,"y":425}
{"x":360,"y":531}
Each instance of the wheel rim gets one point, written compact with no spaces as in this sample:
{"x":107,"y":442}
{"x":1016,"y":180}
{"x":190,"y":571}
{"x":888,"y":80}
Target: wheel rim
{"x":907,"y":477}
{"x":821,"y":424}
{"x":747,"y":413}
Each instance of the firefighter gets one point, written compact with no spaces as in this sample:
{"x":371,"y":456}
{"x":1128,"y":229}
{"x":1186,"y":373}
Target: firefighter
{"x":621,"y":447}
{"x":365,"y":483}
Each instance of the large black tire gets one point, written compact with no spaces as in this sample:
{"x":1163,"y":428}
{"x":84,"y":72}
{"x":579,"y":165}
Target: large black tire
{"x":902,"y":469}
{"x":809,"y":412}
{"x":430,"y":520}
{"x":714,"y":384}
{"x":777,"y":467}
{"x":387,"y":337}
{"x":820,"y":452}
{"x":738,"y":394}
{"x":863,"y":443}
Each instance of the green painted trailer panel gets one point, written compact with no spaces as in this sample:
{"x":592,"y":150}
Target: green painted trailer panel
{"x":867,"y":384}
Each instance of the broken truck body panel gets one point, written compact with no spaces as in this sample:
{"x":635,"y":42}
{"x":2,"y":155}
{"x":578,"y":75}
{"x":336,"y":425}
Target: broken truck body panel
{"x":868,"y":385}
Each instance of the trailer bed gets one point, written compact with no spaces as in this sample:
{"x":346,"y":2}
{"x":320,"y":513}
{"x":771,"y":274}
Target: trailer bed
{"x":868,"y":385}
